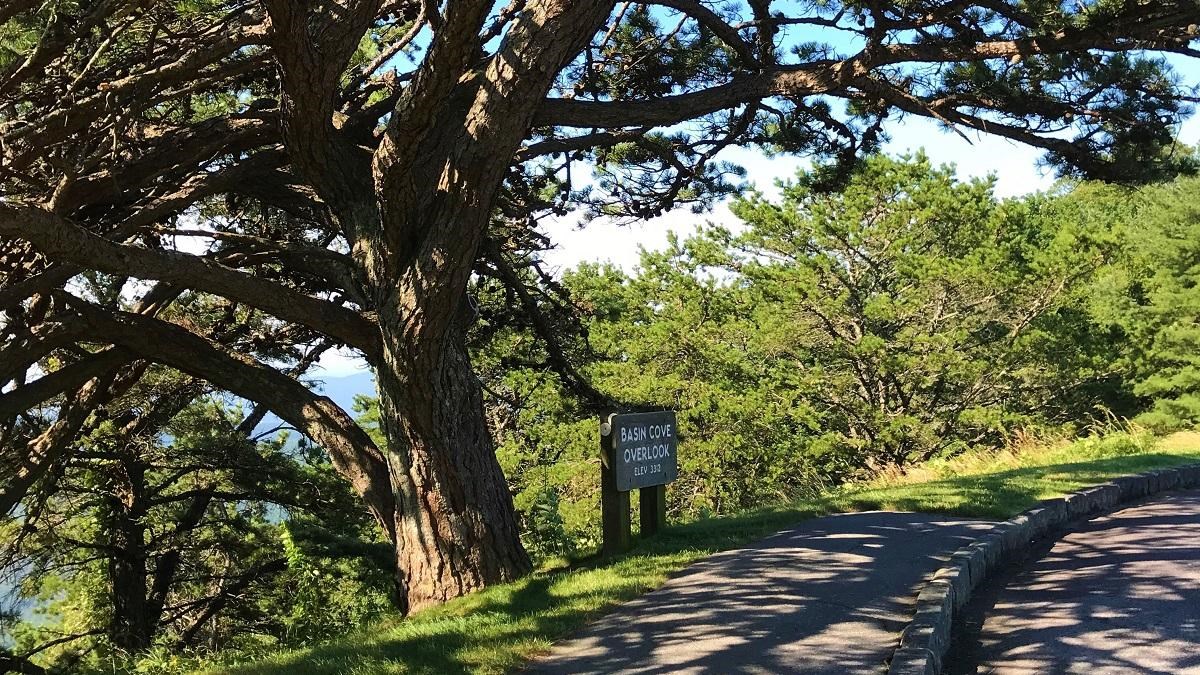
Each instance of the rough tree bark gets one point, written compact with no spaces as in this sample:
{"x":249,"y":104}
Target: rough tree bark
{"x":456,"y":528}
{"x":458,"y":531}
{"x":418,"y":213}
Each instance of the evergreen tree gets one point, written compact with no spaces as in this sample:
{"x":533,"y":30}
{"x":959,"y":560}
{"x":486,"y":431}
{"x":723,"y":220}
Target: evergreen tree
{"x":1151,"y":299}
{"x":184,"y":525}
{"x":828,"y":335}
{"x":347,"y":167}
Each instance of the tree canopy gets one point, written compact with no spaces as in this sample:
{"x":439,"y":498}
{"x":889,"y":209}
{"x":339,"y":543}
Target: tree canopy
{"x":224,"y":187}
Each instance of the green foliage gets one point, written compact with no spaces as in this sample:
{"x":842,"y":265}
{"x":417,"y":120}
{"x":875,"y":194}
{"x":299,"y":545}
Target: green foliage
{"x":186,"y":537}
{"x":322,"y":596}
{"x":546,"y":527}
{"x":908,"y":316}
{"x":1127,"y":132}
{"x":1152,"y":299}
{"x":909,"y":305}
{"x":816,"y":352}
{"x":17,"y":38}
{"x":676,"y":338}
{"x":642,"y":60}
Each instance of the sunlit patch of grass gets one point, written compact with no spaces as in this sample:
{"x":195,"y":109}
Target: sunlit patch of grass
{"x":487,"y":632}
{"x":500,"y":628}
{"x":1183,"y":442}
{"x":1001,"y":484}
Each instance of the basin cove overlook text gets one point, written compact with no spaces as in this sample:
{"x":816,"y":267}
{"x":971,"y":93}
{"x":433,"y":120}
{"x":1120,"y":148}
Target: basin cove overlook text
{"x":656,"y":441}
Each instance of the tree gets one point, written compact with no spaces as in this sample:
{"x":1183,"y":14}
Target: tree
{"x":909,"y":315}
{"x":685,"y":332}
{"x":1149,"y":300}
{"x":344,"y":166}
{"x":184,"y":524}
{"x":913,"y":307}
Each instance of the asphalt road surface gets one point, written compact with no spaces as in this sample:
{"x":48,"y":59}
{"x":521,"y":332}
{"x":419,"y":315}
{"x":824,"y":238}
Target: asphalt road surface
{"x":1119,"y":595}
{"x":829,"y":596}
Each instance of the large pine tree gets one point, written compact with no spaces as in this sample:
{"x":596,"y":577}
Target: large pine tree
{"x":343,"y":167}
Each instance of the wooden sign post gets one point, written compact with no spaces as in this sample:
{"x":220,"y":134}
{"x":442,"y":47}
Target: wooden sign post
{"x":637,"y":451}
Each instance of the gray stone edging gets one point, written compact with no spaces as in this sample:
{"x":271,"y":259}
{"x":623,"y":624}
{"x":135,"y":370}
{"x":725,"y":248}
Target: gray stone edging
{"x":924,"y":643}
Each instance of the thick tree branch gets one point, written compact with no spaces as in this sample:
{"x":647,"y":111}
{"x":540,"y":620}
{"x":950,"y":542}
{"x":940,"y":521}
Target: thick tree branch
{"x":12,"y":663}
{"x":255,"y":175}
{"x":497,"y":106}
{"x":820,"y":77}
{"x":186,"y":147}
{"x":353,"y":453}
{"x":68,"y":378}
{"x":70,"y":243}
{"x":312,"y":48}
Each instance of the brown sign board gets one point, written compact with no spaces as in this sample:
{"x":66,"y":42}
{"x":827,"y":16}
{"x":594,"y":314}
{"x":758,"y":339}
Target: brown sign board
{"x":643,"y":447}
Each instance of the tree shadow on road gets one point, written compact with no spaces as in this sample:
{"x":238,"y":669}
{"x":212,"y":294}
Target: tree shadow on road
{"x":1118,"y":594}
{"x":829,"y":596}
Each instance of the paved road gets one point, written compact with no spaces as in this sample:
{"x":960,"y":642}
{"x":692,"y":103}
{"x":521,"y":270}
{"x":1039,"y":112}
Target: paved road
{"x":829,"y":596}
{"x":1119,"y":595}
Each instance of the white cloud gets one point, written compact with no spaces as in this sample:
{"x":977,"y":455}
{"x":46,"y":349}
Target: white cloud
{"x":339,"y":363}
{"x":605,"y":241}
{"x":1015,"y":166}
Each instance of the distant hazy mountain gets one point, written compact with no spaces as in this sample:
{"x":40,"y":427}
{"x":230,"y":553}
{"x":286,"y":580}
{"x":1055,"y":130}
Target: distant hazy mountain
{"x":343,"y":389}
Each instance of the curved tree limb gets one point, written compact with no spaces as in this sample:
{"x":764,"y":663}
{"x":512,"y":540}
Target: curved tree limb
{"x":68,"y":378}
{"x":353,"y":453}
{"x":257,"y":174}
{"x":819,"y":77}
{"x":70,"y":243}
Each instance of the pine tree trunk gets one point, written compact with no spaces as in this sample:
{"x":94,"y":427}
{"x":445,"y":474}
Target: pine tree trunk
{"x":131,"y":629}
{"x":417,"y":216}
{"x":456,"y":529}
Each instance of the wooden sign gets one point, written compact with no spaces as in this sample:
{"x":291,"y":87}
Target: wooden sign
{"x":644,"y":449}
{"x":638,"y":451}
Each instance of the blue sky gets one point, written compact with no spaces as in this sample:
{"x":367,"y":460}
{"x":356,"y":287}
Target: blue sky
{"x":1014,"y":165}
{"x":974,"y":154}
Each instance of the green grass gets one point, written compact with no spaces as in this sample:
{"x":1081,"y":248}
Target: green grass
{"x":1000,"y":485}
{"x":498,"y":629}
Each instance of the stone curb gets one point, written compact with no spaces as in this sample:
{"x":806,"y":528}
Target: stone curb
{"x":925,"y":641}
